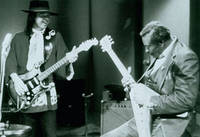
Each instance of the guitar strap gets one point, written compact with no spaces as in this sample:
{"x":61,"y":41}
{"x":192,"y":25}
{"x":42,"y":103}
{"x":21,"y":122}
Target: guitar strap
{"x":152,"y":63}
{"x":166,"y":65}
{"x":48,"y":47}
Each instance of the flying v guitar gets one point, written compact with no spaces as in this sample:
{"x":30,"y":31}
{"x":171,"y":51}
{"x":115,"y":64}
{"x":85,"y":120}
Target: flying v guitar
{"x":142,"y":114}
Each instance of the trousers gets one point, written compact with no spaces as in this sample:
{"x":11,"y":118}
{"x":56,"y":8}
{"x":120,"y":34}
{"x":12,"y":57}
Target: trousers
{"x":43,"y":123}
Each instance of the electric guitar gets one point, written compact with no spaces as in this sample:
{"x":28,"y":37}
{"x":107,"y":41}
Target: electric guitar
{"x":34,"y":79}
{"x":142,"y":114}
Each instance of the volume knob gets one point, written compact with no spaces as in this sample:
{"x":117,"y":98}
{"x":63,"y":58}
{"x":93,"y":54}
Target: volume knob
{"x":28,"y":103}
{"x":28,"y":98}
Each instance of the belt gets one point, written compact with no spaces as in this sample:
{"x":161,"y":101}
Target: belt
{"x":168,"y":116}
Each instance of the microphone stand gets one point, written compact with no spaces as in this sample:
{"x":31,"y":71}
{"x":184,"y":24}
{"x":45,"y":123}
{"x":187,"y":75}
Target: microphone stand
{"x":86,"y":110}
{"x":4,"y":53}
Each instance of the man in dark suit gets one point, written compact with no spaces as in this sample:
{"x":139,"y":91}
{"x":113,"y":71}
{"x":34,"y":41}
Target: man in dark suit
{"x":174,"y":74}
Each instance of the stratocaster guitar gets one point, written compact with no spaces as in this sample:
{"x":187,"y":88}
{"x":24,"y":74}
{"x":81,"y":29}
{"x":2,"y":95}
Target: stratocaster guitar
{"x":34,"y":79}
{"x":142,"y":114}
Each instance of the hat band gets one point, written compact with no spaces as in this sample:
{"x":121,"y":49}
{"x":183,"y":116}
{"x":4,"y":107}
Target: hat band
{"x":39,"y":9}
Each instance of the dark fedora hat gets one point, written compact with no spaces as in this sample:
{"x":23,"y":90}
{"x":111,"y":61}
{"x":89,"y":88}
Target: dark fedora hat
{"x":39,"y":6}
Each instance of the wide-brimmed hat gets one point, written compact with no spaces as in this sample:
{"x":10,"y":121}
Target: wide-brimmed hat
{"x":39,"y":6}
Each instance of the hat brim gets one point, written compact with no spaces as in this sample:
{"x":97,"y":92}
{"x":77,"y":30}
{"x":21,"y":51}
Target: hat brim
{"x":40,"y":11}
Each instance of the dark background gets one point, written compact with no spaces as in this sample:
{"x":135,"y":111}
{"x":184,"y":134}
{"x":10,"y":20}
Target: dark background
{"x":80,"y":20}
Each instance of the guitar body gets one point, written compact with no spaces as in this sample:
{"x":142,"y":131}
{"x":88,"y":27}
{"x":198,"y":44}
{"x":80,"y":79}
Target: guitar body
{"x":142,"y":114}
{"x":143,"y":119}
{"x":35,"y":88}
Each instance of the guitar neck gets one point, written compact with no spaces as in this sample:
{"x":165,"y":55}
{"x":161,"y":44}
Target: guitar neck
{"x":84,"y":46}
{"x":53,"y":68}
{"x":120,"y":66}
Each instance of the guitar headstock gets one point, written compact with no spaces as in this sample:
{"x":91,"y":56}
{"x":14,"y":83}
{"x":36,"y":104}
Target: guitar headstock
{"x":6,"y":44}
{"x":86,"y":45}
{"x":106,"y":43}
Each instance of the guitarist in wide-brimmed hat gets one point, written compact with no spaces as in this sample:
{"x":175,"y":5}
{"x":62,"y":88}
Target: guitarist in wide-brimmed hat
{"x":37,"y":48}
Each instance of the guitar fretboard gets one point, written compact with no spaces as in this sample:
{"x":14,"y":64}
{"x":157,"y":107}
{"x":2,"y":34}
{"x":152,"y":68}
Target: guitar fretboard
{"x":119,"y":64}
{"x":53,"y":68}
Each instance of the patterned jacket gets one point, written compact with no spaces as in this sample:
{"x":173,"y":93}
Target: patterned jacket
{"x":55,"y":49}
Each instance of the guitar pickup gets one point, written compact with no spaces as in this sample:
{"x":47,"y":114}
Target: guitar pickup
{"x":30,"y":84}
{"x":36,"y":90}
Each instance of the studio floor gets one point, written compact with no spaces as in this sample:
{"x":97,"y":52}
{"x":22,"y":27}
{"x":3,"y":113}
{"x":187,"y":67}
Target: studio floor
{"x":92,"y":130}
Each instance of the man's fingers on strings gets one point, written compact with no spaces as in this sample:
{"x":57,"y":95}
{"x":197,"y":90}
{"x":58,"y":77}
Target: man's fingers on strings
{"x":23,"y":87}
{"x":19,"y":91}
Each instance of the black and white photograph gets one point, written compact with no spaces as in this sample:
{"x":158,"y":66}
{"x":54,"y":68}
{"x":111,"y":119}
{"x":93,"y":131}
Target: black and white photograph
{"x":99,"y":68}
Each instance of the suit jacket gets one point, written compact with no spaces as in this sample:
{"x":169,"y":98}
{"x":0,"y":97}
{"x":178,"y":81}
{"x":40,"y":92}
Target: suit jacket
{"x":177,"y":82}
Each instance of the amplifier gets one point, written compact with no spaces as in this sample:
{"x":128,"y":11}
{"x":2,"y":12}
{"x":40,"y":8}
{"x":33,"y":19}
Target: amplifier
{"x":114,"y":114}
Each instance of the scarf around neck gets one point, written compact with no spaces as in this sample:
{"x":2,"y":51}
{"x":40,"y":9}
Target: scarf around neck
{"x":36,"y":50}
